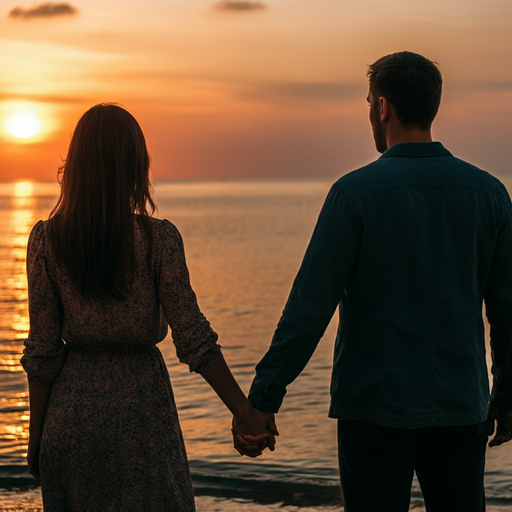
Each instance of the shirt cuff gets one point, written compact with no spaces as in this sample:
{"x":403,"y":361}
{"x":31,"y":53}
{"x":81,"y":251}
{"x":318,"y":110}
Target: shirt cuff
{"x":263,"y":400}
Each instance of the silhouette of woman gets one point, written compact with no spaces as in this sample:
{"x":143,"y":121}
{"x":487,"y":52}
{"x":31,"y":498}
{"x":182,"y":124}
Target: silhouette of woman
{"x":105,"y":280}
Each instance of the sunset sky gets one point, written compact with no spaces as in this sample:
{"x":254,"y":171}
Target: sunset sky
{"x":240,"y":89}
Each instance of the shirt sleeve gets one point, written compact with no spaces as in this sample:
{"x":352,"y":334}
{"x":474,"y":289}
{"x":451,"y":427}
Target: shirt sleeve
{"x":328,"y":264}
{"x":498,"y":305}
{"x":195,"y":340}
{"x":44,"y":353}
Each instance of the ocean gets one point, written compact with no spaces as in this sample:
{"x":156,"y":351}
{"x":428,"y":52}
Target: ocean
{"x":244,"y":242}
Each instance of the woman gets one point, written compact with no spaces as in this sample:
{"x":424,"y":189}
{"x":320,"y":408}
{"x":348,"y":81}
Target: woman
{"x":107,"y":278}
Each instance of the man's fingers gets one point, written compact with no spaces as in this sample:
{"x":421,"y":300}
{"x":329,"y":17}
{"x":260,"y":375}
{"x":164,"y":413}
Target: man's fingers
{"x":504,"y":437}
{"x":273,"y":428}
{"x":498,"y":440}
{"x":271,"y":442}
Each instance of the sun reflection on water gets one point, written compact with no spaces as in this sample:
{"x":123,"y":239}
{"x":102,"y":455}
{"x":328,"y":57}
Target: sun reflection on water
{"x":17,"y":216}
{"x":21,"y":222}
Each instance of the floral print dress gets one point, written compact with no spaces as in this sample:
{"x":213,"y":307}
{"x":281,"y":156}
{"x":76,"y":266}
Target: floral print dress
{"x":111,"y":439}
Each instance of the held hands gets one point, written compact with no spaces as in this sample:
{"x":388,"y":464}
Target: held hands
{"x":503,"y":421}
{"x":253,"y":432}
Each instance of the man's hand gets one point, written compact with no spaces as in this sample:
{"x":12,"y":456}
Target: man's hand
{"x":246,"y":439}
{"x":503,"y":421}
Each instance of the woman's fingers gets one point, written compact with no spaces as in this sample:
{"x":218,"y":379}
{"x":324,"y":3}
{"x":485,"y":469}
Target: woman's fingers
{"x":33,"y":469}
{"x":254,"y":439}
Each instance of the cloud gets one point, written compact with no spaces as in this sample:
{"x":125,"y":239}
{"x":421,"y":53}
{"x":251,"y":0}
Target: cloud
{"x":47,"y":10}
{"x":318,"y":90}
{"x":45,"y":98}
{"x":482,"y":86}
{"x":303,"y":91}
{"x":239,"y":5}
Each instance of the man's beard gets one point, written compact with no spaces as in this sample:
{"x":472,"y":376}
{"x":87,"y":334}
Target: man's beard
{"x":378,"y":132}
{"x":380,"y":139}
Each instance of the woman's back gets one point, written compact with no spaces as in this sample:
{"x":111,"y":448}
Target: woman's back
{"x":112,"y":439}
{"x":104,"y":282}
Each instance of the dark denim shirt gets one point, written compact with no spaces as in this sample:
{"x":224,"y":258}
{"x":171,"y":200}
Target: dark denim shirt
{"x":409,"y":247}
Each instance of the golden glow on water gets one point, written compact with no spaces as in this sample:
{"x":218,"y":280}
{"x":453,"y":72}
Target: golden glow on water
{"x":11,"y":364}
{"x":21,"y":222}
{"x":20,"y":209}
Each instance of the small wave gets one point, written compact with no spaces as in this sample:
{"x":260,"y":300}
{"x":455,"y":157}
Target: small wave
{"x":266,"y":483}
{"x":16,"y":478}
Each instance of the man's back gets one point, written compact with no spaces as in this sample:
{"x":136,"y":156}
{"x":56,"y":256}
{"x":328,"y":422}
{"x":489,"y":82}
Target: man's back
{"x":411,"y":315}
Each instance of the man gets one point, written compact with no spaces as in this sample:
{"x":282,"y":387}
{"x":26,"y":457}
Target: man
{"x":409,"y":247}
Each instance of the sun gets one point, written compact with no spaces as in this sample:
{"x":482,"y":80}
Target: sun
{"x":24,"y":125}
{"x":23,"y":188}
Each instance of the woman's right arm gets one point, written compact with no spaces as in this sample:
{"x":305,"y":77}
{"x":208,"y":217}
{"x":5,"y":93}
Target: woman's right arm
{"x":195,"y":341}
{"x":248,"y":421}
{"x":44,"y":349}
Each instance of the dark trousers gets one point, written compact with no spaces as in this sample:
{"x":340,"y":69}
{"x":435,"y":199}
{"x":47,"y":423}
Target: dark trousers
{"x":377,"y":465}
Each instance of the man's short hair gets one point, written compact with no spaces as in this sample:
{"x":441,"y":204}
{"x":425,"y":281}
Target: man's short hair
{"x":411,"y":83}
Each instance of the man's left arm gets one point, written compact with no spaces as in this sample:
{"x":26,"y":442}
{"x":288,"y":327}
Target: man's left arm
{"x":498,"y":301}
{"x":326,"y":269}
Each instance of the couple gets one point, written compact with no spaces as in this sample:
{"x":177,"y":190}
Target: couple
{"x":408,"y":247}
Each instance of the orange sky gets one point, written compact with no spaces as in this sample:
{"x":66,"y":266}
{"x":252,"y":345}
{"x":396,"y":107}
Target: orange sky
{"x":277,"y":90}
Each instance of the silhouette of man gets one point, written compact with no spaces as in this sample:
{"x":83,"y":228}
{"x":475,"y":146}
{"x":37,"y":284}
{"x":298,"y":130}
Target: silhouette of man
{"x":409,"y":247}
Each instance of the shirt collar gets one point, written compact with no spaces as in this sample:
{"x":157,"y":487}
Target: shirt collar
{"x":413,"y":149}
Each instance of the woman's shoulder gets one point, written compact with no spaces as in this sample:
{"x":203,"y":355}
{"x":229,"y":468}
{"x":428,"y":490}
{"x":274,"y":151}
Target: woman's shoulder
{"x":38,"y":234}
{"x":165,"y":228}
{"x":37,"y":244}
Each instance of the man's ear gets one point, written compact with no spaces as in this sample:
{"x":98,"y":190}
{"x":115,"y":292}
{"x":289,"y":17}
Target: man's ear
{"x":384,"y":108}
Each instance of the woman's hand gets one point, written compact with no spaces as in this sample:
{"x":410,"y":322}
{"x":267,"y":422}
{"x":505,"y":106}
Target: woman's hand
{"x":34,"y":444}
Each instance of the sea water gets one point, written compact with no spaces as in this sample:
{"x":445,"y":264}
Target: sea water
{"x":244,"y":243}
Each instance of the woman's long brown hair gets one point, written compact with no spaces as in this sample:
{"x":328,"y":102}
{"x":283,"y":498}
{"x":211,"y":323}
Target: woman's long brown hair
{"x":104,"y":183}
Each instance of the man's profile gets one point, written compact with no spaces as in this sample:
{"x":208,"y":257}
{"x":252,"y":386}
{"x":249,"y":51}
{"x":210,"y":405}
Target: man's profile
{"x":409,"y":247}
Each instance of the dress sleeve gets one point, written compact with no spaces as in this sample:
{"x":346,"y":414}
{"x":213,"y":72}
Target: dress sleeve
{"x":195,"y":341}
{"x":44,"y":349}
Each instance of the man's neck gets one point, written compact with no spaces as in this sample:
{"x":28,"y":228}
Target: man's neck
{"x":400,"y":134}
